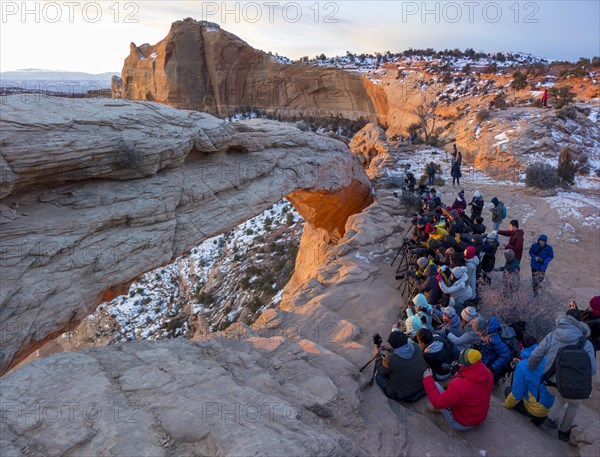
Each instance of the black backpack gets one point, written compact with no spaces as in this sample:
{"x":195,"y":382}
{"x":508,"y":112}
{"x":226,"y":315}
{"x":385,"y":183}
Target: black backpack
{"x":573,"y":370}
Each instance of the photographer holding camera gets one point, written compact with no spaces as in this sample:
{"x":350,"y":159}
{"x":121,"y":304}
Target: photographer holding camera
{"x":401,"y":368}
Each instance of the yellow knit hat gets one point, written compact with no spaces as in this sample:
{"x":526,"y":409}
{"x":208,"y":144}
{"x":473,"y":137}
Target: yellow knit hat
{"x":469,"y":357}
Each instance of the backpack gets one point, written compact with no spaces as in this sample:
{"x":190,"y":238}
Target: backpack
{"x":573,"y":370}
{"x":504,"y":212}
{"x":509,"y":337}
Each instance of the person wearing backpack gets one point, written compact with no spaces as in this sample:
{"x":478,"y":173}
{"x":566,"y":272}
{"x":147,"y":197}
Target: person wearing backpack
{"x":498,"y":213}
{"x":526,"y":389}
{"x":541,"y":254}
{"x":570,"y":365}
{"x":496,"y":355}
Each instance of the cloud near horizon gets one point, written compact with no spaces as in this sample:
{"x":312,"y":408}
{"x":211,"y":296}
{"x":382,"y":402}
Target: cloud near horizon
{"x":97,"y":40}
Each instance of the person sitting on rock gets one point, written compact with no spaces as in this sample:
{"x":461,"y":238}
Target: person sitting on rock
{"x":477,"y":226}
{"x":450,"y":322}
{"x":459,"y":288}
{"x":400,"y":370}
{"x":525,"y":389}
{"x":438,"y":352}
{"x":422,"y":309}
{"x":456,"y":223}
{"x":496,"y":354}
{"x":466,"y":401}
{"x":459,"y":203}
{"x":469,"y":338}
{"x":429,"y":286}
{"x":435,"y":232}
{"x":476,"y":205}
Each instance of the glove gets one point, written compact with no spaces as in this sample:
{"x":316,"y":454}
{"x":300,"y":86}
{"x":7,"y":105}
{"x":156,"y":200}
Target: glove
{"x":539,"y":260}
{"x":439,"y":278}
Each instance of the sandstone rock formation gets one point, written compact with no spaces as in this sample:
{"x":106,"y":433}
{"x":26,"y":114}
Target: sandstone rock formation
{"x":200,"y":66}
{"x":96,"y":192}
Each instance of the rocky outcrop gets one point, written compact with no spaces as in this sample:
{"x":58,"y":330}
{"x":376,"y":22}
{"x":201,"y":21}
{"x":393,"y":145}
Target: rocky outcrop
{"x":202,"y":67}
{"x":507,"y":141}
{"x":96,"y":192}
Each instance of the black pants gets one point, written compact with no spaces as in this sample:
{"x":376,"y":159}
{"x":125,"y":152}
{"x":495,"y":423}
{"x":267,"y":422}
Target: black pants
{"x":520,"y":407}
{"x":456,"y":179}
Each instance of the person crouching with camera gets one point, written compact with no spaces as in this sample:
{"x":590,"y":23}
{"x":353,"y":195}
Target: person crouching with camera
{"x":400,"y":370}
{"x":466,"y":401}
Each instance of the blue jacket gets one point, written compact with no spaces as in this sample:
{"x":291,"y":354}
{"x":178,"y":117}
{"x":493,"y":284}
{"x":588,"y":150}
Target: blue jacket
{"x":527,"y":381}
{"x":546,"y":254}
{"x":495,"y":353}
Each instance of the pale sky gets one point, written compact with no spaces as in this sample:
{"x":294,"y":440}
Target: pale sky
{"x":95,"y":36}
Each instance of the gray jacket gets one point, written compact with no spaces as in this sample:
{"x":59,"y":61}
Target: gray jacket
{"x":467,"y":340}
{"x":568,"y":331}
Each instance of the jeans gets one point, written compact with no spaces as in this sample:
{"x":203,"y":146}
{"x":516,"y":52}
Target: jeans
{"x":431,"y":180}
{"x":563,"y":419}
{"x":536,"y":280}
{"x":497,"y":226}
{"x":450,"y":418}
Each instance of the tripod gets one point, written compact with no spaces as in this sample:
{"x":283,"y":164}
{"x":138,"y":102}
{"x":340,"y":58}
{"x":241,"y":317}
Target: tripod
{"x":402,"y":245}
{"x":376,"y":356}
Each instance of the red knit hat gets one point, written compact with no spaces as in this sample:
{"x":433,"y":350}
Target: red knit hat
{"x":595,"y":305}
{"x":470,"y":252}
{"x":429,"y":228}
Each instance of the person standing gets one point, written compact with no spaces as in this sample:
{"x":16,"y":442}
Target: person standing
{"x":515,"y":242}
{"x":431,"y":173}
{"x":455,"y":172}
{"x":545,"y":98}
{"x":541,"y":254}
{"x":497,"y":213}
{"x":569,"y":331}
{"x":476,"y":205}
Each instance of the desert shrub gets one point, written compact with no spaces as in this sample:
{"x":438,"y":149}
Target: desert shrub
{"x":483,"y":115}
{"x":541,"y":175}
{"x":567,"y":112}
{"x":538,"y":312}
{"x":566,"y":167}
{"x":537,"y":103}
{"x":289,"y":219}
{"x":562,"y":96}
{"x":499,"y":101}
{"x":255,"y":304}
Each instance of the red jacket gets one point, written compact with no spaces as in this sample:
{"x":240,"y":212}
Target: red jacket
{"x":515,"y":243}
{"x":467,"y":396}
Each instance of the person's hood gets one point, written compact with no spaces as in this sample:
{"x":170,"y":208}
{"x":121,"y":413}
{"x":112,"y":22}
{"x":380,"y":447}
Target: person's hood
{"x":459,"y":273}
{"x":474,"y":260}
{"x":434,"y":347}
{"x":406,"y":352}
{"x":569,"y":330}
{"x":432,"y":270}
{"x":519,"y":233}
{"x":477,"y":372}
{"x":526,"y":352}
{"x":420,"y":301}
{"x":477,"y":194}
{"x":413,"y":324}
{"x":543,"y":238}
{"x":493,"y":325}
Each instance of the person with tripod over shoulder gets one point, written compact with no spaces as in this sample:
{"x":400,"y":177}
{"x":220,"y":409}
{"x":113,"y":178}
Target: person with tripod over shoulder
{"x":400,"y":370}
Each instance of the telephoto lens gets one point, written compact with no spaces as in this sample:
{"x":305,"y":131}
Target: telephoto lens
{"x":377,"y":340}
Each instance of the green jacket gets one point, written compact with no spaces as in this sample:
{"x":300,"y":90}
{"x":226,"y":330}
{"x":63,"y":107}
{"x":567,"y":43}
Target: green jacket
{"x":497,"y":212}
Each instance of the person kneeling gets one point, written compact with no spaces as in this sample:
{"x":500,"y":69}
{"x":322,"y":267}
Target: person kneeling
{"x":523,"y":394}
{"x":466,"y":401}
{"x":399,"y":372}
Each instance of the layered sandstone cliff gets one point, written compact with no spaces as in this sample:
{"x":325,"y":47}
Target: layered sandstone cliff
{"x":202,"y":67}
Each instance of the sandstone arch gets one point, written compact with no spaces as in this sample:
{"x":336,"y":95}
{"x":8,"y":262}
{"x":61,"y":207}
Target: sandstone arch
{"x":94,"y":193}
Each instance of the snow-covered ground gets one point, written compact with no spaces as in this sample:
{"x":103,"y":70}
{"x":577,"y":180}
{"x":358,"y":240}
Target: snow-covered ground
{"x":237,"y":274}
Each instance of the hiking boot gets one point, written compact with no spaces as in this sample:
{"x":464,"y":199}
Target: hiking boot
{"x":549,"y":424}
{"x":564,"y":436}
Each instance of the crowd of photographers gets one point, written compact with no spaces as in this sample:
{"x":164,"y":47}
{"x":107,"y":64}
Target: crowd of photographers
{"x":444,"y":349}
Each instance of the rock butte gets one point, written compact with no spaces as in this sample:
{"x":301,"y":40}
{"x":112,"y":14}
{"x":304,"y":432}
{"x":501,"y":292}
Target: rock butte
{"x":200,"y":66}
{"x":96,"y":192}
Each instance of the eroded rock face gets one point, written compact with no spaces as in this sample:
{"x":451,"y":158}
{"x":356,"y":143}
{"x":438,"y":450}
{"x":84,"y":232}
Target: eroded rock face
{"x":200,"y":66}
{"x":96,"y":192}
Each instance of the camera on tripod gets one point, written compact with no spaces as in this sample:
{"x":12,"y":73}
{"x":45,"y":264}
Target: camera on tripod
{"x":377,"y":340}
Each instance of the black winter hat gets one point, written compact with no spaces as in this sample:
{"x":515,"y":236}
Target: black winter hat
{"x":495,"y":201}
